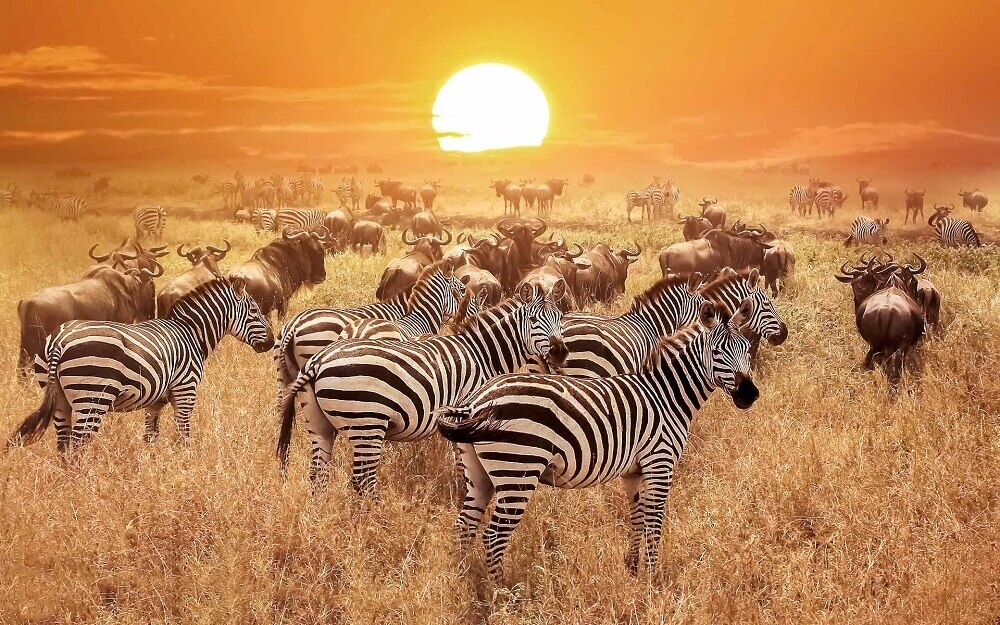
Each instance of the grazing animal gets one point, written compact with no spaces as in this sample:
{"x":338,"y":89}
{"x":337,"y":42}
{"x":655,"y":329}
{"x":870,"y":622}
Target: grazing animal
{"x":950,"y":231}
{"x":96,"y":367}
{"x":914,"y":204}
{"x":529,"y":193}
{"x":199,"y":178}
{"x":429,"y":192}
{"x":480,"y":281}
{"x":102,"y":186}
{"x":694,"y":226}
{"x":71,"y":207}
{"x":714,"y":213}
{"x":344,"y":193}
{"x":427,"y":223}
{"x":867,"y":193}
{"x":204,"y":269}
{"x":149,"y":222}
{"x":604,"y":279}
{"x":800,"y":198}
{"x":519,"y":431}
{"x":828,"y":200}
{"x":373,"y":391}
{"x":866,"y":231}
{"x":557,"y":271}
{"x":278,"y":270}
{"x":778,"y":264}
{"x":715,"y":250}
{"x":548,"y":191}
{"x":298,"y":218}
{"x":401,"y":273}
{"x":264,"y":219}
{"x":357,"y":192}
{"x":229,"y":189}
{"x":511,"y":194}
{"x":891,"y":322}
{"x":974,"y":200}
{"x":638,"y":199}
{"x":365,"y":232}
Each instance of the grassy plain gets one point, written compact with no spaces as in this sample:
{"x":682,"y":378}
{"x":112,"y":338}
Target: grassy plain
{"x":830,"y":501}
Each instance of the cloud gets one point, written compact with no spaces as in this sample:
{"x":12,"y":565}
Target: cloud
{"x":83,"y":67}
{"x":156,"y":113}
{"x":149,"y":39}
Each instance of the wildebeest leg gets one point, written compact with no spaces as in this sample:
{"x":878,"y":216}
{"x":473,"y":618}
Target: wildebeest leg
{"x":870,"y":358}
{"x":153,"y":421}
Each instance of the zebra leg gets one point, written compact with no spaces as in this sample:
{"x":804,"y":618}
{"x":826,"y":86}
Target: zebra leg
{"x":321,"y":436}
{"x":367,"y":445}
{"x":656,"y":481}
{"x":637,"y":519}
{"x":182,"y":399}
{"x":476,"y":498}
{"x":87,"y":422}
{"x":153,"y":421}
{"x":513,"y":495}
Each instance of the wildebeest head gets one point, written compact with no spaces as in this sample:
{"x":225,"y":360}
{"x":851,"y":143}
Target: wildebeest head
{"x":694,"y":226}
{"x":145,"y":291}
{"x":387,"y":186}
{"x":940,"y":212}
{"x":311,"y":252}
{"x":209,"y":256}
{"x":865,"y":277}
{"x":915,"y":198}
{"x":706,"y":202}
{"x":557,"y":185}
{"x":522,"y":233}
{"x":499,"y":186}
{"x":863,"y":183}
{"x":427,"y":246}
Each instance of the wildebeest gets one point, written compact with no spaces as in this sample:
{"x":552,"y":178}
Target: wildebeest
{"x":518,"y":248}
{"x":276,"y":271}
{"x":402,"y":273}
{"x":429,"y":192}
{"x":605,"y":278}
{"x":694,"y":226}
{"x":548,"y":191}
{"x":426,"y":222}
{"x":867,"y":193}
{"x":715,"y":250}
{"x":204,"y":269}
{"x":365,"y":232}
{"x":914,"y":203}
{"x":558,"y":271}
{"x":111,"y":291}
{"x":199,"y":178}
{"x":511,"y":194}
{"x":714,"y":213}
{"x":395,"y":190}
{"x":778,"y":264}
{"x":973,"y":200}
{"x":338,"y":222}
{"x":102,"y":186}
{"x":529,"y":193}
{"x":588,"y":179}
{"x":479,"y":280}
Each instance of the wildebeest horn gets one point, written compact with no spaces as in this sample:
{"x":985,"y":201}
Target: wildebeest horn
{"x":503,"y":225}
{"x":637,"y":253}
{"x":461,"y":237}
{"x":293,"y":235}
{"x":579,"y":253}
{"x":101,"y":258}
{"x":157,"y":252}
{"x":921,"y":268}
{"x":538,"y":233}
{"x":212,"y":248}
{"x":146,"y":272}
{"x":496,"y":238}
{"x":181,"y":252}
{"x":852,"y":272}
{"x":406,"y":238}
{"x":445,"y":241}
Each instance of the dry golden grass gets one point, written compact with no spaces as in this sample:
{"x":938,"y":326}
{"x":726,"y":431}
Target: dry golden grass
{"x":829,"y":501}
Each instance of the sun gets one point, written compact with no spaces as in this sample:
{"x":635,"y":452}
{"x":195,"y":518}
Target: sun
{"x":489,"y":107}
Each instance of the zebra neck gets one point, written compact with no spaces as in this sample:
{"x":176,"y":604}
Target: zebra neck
{"x":680,"y":379}
{"x":424,"y":319}
{"x":659,"y":318}
{"x":207,"y":332}
{"x":498,"y":342}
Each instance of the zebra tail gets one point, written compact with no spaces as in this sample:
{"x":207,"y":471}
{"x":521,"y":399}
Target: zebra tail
{"x":456,"y":424}
{"x":288,"y":417}
{"x":35,"y":424}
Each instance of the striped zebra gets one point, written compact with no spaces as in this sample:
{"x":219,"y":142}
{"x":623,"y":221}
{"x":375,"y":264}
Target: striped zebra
{"x":344,"y":192}
{"x":229,"y":190}
{"x":70,"y":207}
{"x":827,"y":200}
{"x":97,"y":367}
{"x":313,"y":188}
{"x":866,"y":231}
{"x":522,"y":430}
{"x":357,"y":192}
{"x":265,"y":193}
{"x":601,"y":346}
{"x":284,"y":191}
{"x":298,"y":218}
{"x":657,"y":199}
{"x":635,"y":199}
{"x":149,"y":222}
{"x":263,"y":219}
{"x":372,"y":391}
{"x":951,"y":231}
{"x":799,"y":198}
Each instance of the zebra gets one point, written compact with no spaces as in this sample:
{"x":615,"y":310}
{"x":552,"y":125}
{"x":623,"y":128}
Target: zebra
{"x":357,"y":192}
{"x":229,"y":190}
{"x":637,"y":199}
{"x":827,"y":200}
{"x":263,"y":219}
{"x":313,"y":187}
{"x":96,"y":367}
{"x":298,"y":218}
{"x":799,"y":198}
{"x":601,"y":346}
{"x":657,"y":199}
{"x":284,"y":190}
{"x":952,"y":232}
{"x":70,"y":207}
{"x":869,"y":231}
{"x":149,"y":221}
{"x":521,"y":430}
{"x":344,"y":192}
{"x":377,"y":390}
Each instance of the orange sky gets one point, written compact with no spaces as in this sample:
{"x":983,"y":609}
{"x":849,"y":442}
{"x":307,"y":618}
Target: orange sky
{"x":724,"y":83}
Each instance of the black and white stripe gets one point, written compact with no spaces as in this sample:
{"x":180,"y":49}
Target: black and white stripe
{"x":657,"y":198}
{"x":953,"y":232}
{"x":344,"y":192}
{"x":69,"y":207}
{"x":298,"y":218}
{"x":638,"y":199}
{"x":97,"y":367}
{"x":827,"y":200}
{"x":522,"y":430}
{"x":149,"y":222}
{"x":867,"y":231}
{"x":373,"y":391}
{"x":800,"y":198}
{"x":263,"y":219}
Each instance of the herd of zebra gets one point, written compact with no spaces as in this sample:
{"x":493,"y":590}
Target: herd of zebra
{"x":654,"y":200}
{"x":65,"y":206}
{"x":241,"y":193}
{"x":484,"y":344}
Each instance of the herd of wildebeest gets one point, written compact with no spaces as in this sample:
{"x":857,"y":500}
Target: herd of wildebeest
{"x":512,"y":297}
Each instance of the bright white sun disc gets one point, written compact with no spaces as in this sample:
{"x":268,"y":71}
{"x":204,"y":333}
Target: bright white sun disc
{"x":490,"y":106}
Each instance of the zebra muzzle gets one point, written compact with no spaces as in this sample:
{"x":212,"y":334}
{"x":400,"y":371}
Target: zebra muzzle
{"x":746,"y":394}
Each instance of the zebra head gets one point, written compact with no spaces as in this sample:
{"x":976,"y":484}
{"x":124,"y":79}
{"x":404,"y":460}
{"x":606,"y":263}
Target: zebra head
{"x":727,"y":352}
{"x":542,"y":323}
{"x":246,"y":321}
{"x":765,"y":320}
{"x":881,"y":230}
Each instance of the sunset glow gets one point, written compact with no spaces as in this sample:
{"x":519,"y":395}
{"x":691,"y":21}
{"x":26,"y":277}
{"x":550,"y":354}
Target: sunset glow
{"x":490,"y":106}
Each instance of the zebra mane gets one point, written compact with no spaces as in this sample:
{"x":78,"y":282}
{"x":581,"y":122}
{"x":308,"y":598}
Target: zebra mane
{"x":724,"y":279}
{"x":198,"y":292}
{"x":668,"y":347}
{"x":651,"y":294}
{"x":505,"y":305}
{"x":423,"y":282}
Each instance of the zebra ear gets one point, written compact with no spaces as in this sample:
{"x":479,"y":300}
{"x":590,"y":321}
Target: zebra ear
{"x":742,"y":316}
{"x":708,"y":315}
{"x":885,"y":222}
